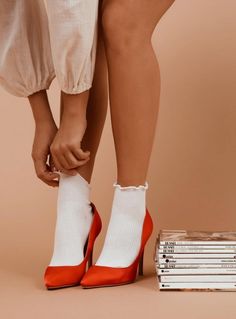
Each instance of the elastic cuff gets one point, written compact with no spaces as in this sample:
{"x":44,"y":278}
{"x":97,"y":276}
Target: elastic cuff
{"x":77,"y":90}
{"x":44,"y":86}
{"x":144,"y":187}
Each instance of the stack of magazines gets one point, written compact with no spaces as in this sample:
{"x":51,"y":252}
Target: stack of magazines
{"x":196,"y":260}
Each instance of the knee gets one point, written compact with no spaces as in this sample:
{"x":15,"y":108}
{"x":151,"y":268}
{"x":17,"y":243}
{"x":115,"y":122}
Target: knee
{"x":122,"y":33}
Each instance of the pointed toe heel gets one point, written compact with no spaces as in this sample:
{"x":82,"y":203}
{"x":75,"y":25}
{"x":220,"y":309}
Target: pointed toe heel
{"x":56,"y":277}
{"x":103,"y":276}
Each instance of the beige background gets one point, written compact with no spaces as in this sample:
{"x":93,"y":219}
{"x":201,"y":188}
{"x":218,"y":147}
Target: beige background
{"x":192,"y":177}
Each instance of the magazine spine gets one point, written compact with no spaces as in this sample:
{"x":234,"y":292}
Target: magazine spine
{"x":186,"y":249}
{"x":184,"y":266}
{"x":205,"y":255}
{"x":202,"y":242}
{"x":196,"y":261}
{"x":209,"y":286}
{"x":198,"y":278}
{"x":201,"y":271}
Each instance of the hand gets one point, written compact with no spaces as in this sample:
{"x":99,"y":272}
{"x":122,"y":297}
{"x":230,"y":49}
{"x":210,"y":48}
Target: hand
{"x":44,"y":135}
{"x":66,"y":147}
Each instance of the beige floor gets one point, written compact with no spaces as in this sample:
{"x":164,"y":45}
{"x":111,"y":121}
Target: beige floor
{"x":24,"y":296}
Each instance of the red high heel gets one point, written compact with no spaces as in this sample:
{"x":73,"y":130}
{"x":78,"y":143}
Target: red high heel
{"x":103,"y":276}
{"x":67,"y":276}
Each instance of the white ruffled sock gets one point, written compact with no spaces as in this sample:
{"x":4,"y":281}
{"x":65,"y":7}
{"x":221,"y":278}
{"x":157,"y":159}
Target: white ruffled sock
{"x":74,"y":218}
{"x":123,"y":237}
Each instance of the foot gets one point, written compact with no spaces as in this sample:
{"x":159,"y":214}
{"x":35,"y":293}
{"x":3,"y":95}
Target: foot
{"x":123,"y":238}
{"x":74,"y":219}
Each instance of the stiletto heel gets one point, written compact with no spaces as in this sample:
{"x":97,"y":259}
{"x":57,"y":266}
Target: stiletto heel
{"x":103,"y":276}
{"x":90,"y":260}
{"x":67,"y":276}
{"x":85,"y":247}
{"x":140,"y":268}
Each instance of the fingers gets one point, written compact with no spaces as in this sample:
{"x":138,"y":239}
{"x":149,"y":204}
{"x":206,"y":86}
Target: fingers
{"x":67,"y":158}
{"x":54,"y":168}
{"x":79,"y":153}
{"x":72,"y":161}
{"x":44,"y":173}
{"x":52,"y":164}
{"x":61,"y":165}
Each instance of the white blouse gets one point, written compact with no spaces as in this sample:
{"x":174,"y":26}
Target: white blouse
{"x":39,"y":43}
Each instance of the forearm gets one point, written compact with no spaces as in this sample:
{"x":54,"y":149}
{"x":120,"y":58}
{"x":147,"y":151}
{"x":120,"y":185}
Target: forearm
{"x":41,"y":109}
{"x":75,"y":105}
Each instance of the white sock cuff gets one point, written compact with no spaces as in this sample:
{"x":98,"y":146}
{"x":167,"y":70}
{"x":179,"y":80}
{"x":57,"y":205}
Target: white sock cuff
{"x":143,"y":187}
{"x":77,"y":176}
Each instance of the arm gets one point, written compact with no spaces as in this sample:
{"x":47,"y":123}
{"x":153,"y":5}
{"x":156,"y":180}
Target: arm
{"x":73,"y":35}
{"x":26,"y":70}
{"x":45,"y":131}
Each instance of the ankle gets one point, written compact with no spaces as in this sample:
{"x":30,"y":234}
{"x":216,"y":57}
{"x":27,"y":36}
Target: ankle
{"x":124,"y":233}
{"x":85,"y":172}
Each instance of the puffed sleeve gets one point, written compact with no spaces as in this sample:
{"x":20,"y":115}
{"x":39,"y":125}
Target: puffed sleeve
{"x":73,"y":35}
{"x":26,"y":64}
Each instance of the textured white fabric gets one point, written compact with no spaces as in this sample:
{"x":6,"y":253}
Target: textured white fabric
{"x":123,"y":237}
{"x":73,"y":33}
{"x":25,"y":57}
{"x":38,"y":44}
{"x":74,"y":219}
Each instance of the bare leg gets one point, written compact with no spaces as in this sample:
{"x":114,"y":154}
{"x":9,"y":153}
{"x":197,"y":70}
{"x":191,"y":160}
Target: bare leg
{"x":134,"y":82}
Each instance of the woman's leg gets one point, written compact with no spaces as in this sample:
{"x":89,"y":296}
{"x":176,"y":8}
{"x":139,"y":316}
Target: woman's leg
{"x":134,"y":83}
